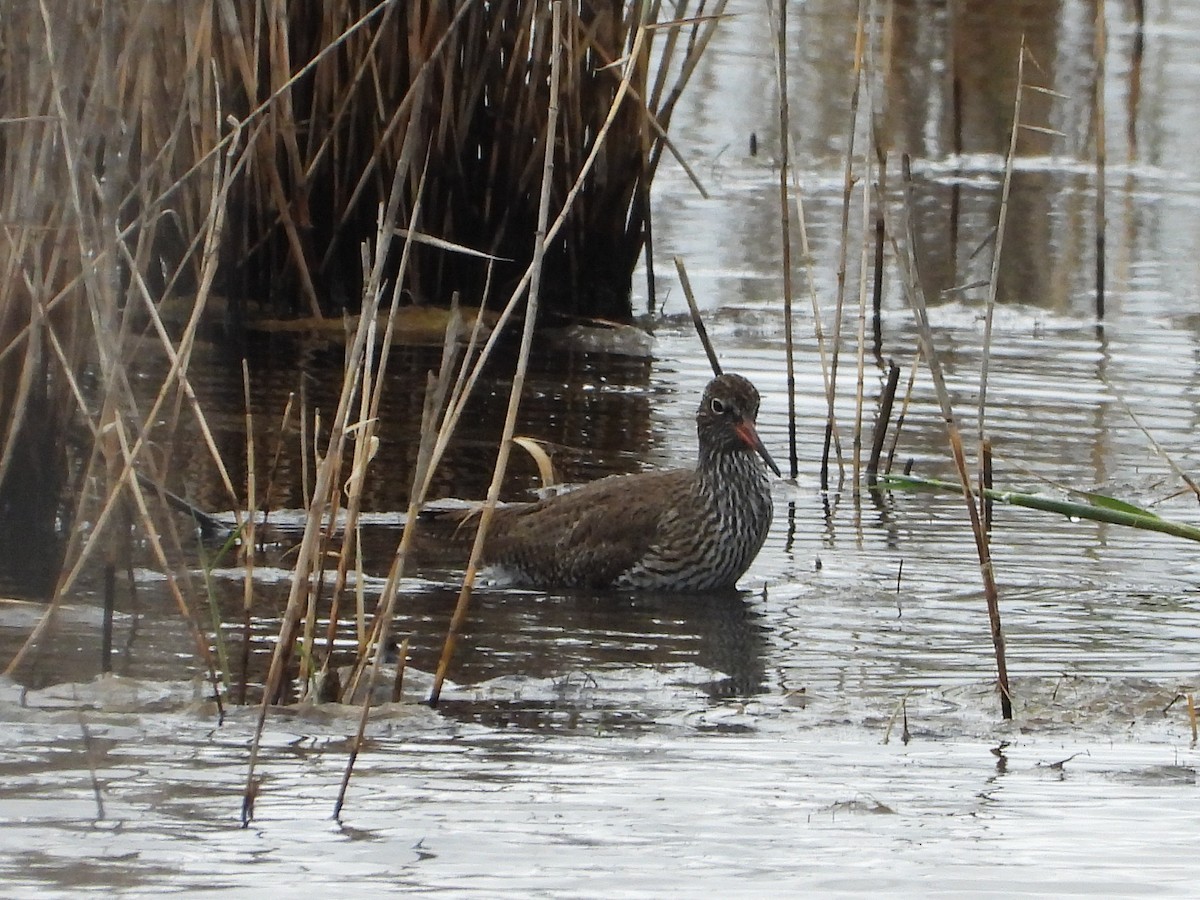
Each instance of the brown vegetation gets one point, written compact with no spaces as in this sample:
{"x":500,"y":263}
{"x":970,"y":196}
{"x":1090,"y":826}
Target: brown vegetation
{"x":168,"y":166}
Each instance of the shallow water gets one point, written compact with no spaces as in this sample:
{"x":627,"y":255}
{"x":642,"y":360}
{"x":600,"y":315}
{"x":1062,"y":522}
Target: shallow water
{"x":835,"y":728}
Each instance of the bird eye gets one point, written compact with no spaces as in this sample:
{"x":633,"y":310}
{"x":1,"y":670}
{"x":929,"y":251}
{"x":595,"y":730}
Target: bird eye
{"x":716,"y":406}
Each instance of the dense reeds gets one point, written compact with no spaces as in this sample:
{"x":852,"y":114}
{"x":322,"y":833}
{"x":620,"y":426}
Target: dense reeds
{"x":171,"y":167}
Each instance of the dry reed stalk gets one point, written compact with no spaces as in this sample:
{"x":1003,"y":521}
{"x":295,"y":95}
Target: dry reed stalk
{"x":1136,"y":55}
{"x":175,"y":153}
{"x":912,"y":284}
{"x":660,"y":130}
{"x":454,"y":412}
{"x":435,"y":389}
{"x":372,"y":396}
{"x":998,"y":245}
{"x":985,"y":485}
{"x":307,"y":450}
{"x":956,"y":133}
{"x":878,"y":138}
{"x":541,"y":239}
{"x":844,"y":239}
{"x":401,"y":666}
{"x":703,"y":29}
{"x":453,"y":407}
{"x":97,"y":227}
{"x":873,"y":186}
{"x":402,"y":112}
{"x":183,"y":170}
{"x":697,"y":319}
{"x":357,"y":381}
{"x":308,"y":565}
{"x":1101,"y":53}
{"x":436,"y":402}
{"x":806,"y":256}
{"x":785,"y":231}
{"x":1158,"y":449}
{"x":276,"y":456}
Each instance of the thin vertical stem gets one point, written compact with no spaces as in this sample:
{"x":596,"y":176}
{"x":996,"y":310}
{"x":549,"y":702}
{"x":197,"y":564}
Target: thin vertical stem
{"x":843,"y":247}
{"x":514,"y":396}
{"x":916,"y":297}
{"x":1101,"y":153}
{"x":785,"y":232}
{"x":994,"y":280}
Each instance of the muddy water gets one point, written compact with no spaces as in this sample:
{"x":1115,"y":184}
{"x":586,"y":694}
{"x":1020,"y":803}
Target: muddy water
{"x":835,"y":728}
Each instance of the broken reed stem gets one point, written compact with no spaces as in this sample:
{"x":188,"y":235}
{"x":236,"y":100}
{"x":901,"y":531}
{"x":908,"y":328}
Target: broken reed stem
{"x":697,"y":319}
{"x":912,"y":284}
{"x":908,"y":393}
{"x":785,"y":234}
{"x":514,"y":396}
{"x":1101,"y":53}
{"x":886,"y":400}
{"x":844,"y":239}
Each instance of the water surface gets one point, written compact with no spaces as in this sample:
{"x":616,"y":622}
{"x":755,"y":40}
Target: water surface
{"x":835,"y":727}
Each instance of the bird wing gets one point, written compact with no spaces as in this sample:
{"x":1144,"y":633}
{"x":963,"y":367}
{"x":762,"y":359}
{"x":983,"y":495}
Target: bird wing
{"x":589,"y":536}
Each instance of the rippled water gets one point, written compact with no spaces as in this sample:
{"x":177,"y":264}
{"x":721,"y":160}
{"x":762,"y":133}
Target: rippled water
{"x":835,"y":728}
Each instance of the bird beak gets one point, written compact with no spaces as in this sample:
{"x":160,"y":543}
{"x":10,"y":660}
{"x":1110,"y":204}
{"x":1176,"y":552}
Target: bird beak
{"x":749,"y":436}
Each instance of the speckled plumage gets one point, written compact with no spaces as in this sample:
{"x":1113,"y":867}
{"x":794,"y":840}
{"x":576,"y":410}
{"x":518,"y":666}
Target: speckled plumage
{"x":679,"y":530}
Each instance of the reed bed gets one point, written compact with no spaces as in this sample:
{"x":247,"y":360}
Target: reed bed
{"x":169,"y":164}
{"x":894,"y":226}
{"x":168,"y":167}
